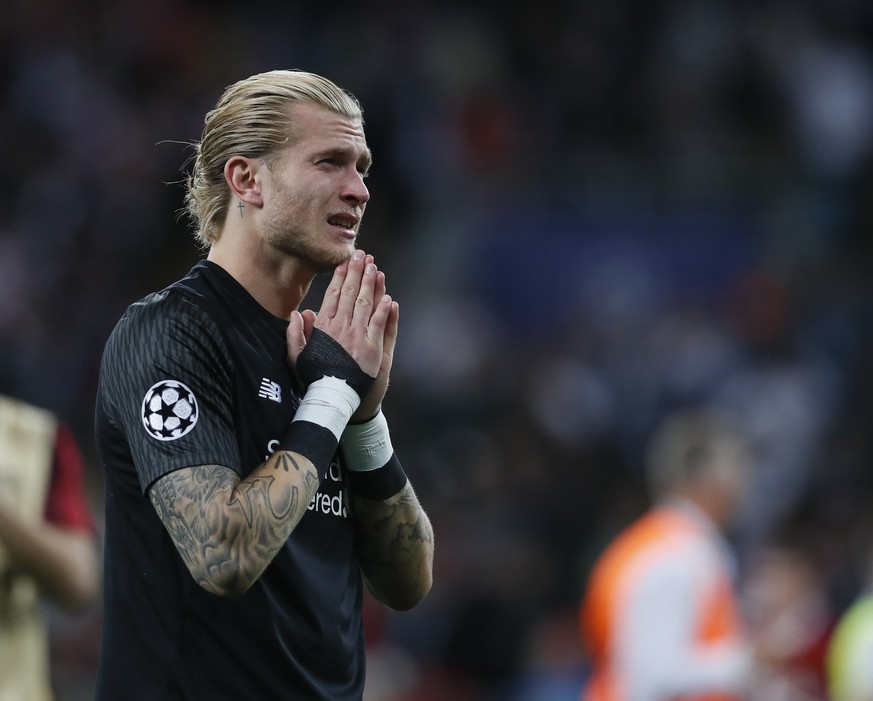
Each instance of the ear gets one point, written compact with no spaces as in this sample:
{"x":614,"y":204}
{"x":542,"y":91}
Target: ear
{"x":244,"y":179}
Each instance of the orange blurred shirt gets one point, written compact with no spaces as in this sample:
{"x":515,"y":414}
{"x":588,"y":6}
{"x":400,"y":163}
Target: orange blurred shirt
{"x":660,"y":618}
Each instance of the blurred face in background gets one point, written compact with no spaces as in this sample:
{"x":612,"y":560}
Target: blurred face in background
{"x":725,"y":479}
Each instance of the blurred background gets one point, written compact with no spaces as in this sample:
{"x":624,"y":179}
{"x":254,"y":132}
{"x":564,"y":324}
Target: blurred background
{"x":591,"y":213}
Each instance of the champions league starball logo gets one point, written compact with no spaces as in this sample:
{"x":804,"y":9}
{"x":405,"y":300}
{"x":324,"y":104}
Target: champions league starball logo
{"x":169,"y":410}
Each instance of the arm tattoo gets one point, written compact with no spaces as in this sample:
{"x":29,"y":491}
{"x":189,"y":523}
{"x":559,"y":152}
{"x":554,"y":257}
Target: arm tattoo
{"x":253,"y":494}
{"x":226,"y":530}
{"x":399,"y":528}
{"x":284,"y":459}
{"x":396,"y":546}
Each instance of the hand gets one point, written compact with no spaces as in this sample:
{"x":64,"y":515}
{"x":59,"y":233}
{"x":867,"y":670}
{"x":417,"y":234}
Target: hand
{"x":373,"y":401}
{"x":357,"y":314}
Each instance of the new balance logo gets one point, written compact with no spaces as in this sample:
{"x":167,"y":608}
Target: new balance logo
{"x":270,"y":390}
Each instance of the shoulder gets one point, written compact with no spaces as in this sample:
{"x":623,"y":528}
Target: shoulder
{"x":189,"y":295}
{"x":177,"y":300}
{"x":171,"y":333}
{"x":13,"y":408}
{"x":658,"y":540}
{"x":173,"y":313}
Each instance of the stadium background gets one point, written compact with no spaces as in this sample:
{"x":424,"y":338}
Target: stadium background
{"x":590,"y":212}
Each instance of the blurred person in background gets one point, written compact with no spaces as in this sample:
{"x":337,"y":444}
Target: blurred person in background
{"x":660,"y":617}
{"x":850,"y":651}
{"x":47,"y":543}
{"x":252,"y":490}
{"x":789,"y":617}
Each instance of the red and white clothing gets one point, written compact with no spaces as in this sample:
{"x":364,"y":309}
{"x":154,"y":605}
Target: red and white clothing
{"x":40,"y":480}
{"x":660,"y":617}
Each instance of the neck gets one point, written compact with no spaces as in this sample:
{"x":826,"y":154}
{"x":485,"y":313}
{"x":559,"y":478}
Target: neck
{"x":277,"y":283}
{"x":711,"y":505}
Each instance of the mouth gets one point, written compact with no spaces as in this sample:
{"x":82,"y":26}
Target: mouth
{"x":347,"y":222}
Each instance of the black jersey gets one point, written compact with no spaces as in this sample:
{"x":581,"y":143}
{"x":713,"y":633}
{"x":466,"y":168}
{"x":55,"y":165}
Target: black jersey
{"x":197,"y":374}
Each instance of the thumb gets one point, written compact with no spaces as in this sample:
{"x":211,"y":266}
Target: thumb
{"x":309,"y":318}
{"x":295,"y":337}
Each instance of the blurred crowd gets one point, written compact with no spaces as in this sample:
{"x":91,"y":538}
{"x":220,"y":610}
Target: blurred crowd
{"x":592,"y":213}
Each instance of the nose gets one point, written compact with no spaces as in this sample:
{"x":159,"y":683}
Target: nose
{"x":356,"y":192}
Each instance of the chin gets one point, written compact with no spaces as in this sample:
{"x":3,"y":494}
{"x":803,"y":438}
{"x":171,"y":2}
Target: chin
{"x":321,"y":259}
{"x":326,"y":262}
{"x":341,"y":256}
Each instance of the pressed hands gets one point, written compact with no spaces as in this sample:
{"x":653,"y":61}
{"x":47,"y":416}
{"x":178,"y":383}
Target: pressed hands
{"x":361,"y":318}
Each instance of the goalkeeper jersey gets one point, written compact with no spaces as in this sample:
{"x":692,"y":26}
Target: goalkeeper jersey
{"x":197,"y":374}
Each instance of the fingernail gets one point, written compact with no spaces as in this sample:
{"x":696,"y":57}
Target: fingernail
{"x":358,"y":255}
{"x":370,"y":269}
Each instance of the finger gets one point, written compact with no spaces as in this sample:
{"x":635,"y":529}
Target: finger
{"x":332,"y":294}
{"x":295,"y":337}
{"x":379,"y":289}
{"x":352,"y":285}
{"x":379,"y":319}
{"x":365,"y":299}
{"x":389,"y":339}
{"x":391,"y":326}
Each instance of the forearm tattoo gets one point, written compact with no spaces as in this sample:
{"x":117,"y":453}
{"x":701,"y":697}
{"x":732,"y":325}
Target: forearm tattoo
{"x":285,"y":460}
{"x":226,"y":530}
{"x":396,"y":545}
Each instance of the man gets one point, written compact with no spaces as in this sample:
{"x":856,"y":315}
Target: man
{"x":250,"y":480}
{"x":660,"y":618}
{"x":47,"y":542}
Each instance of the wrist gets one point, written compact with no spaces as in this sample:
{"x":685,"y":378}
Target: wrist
{"x":319,"y":421}
{"x":367,"y":446}
{"x":379,"y":484}
{"x":374,"y":472}
{"x":328,"y":402}
{"x":315,"y":443}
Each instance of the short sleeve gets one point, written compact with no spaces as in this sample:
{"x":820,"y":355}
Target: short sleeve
{"x":166,"y":381}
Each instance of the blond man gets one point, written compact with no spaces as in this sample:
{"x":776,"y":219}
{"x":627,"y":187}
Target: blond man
{"x":252,"y":489}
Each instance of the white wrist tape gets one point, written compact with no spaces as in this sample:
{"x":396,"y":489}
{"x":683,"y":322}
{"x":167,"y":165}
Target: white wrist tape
{"x":329,"y":402}
{"x":367,"y":446}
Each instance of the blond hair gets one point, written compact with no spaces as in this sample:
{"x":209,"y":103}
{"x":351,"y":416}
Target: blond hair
{"x":692,"y":444}
{"x":252,"y":119}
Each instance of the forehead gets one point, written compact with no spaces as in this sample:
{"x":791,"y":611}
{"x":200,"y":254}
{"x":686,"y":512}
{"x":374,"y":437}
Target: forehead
{"x":318,"y":128}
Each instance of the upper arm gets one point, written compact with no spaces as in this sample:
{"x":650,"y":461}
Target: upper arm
{"x":165,"y":381}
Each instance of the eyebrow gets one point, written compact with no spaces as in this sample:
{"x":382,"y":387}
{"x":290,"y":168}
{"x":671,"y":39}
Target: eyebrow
{"x":365,"y":160}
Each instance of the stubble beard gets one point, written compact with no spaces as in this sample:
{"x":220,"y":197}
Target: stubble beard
{"x":320,"y":259}
{"x":298,"y":243}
